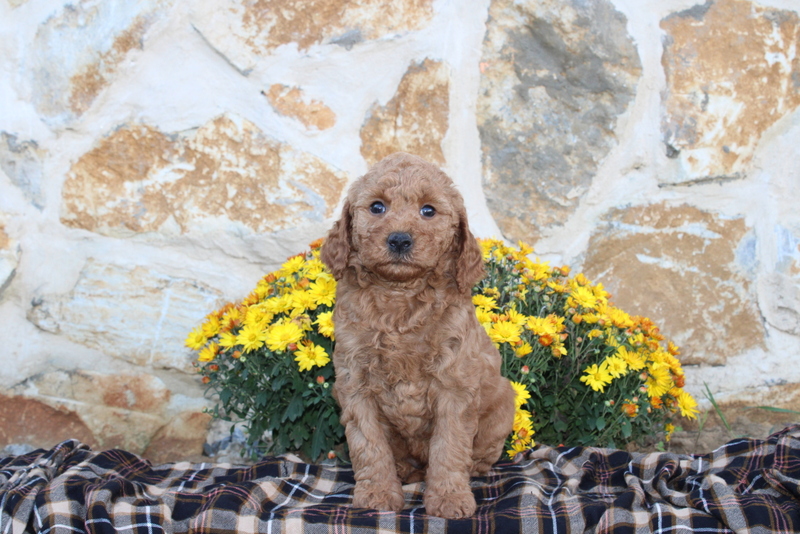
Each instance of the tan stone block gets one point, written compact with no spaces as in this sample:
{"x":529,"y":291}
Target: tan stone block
{"x":555,"y":76}
{"x":136,"y":314}
{"x":680,"y":267}
{"x":272,"y":23}
{"x":29,"y":421}
{"x":732,"y":72}
{"x":181,"y":438}
{"x":415,"y":120}
{"x":106,"y":410}
{"x":291,"y":102}
{"x":79,"y":51}
{"x":139,"y":392}
{"x":225,"y":174}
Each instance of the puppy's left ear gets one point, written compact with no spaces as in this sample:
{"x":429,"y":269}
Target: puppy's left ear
{"x":469,"y":263}
{"x":335,"y":253}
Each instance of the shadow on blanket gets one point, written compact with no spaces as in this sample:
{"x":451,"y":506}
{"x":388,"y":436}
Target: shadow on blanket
{"x":746,"y":485}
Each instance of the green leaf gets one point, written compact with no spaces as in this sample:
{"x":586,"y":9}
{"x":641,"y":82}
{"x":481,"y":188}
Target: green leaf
{"x":600,"y":423}
{"x":294,"y":410}
{"x":626,"y":428}
{"x":319,"y":442}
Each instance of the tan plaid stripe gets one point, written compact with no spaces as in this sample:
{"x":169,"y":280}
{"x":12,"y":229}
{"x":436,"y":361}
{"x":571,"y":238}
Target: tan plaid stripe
{"x":745,"y":486}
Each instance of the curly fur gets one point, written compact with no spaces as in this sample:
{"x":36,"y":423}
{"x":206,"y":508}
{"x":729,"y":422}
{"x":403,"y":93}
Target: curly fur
{"x":417,"y":378}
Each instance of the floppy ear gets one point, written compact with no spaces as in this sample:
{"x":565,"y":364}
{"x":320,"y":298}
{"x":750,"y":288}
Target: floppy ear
{"x":469,"y":263}
{"x":336,"y":247}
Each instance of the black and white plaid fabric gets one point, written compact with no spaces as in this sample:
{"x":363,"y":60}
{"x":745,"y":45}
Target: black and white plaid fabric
{"x":744,"y":486}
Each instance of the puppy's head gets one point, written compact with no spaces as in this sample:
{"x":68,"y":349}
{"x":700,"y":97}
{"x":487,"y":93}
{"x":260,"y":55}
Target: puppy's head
{"x":403,"y":220}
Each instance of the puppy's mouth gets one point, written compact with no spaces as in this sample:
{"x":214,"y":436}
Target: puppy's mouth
{"x":398,"y":263}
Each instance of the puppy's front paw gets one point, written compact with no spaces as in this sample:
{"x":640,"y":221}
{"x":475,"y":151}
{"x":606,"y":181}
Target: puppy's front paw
{"x":379,"y":496}
{"x":450,"y":505}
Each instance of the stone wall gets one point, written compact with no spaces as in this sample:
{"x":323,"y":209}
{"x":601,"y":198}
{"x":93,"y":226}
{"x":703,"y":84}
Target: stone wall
{"x":158,"y":157}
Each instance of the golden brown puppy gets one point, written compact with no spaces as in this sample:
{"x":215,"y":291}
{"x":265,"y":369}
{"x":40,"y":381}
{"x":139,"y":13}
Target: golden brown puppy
{"x":417,"y":378}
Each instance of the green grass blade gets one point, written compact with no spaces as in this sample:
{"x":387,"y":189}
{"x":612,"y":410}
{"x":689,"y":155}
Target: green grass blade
{"x":710,"y":397}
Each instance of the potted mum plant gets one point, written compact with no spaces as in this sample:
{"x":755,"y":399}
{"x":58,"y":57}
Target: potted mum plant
{"x":585,"y":372}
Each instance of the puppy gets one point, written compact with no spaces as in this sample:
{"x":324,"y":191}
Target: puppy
{"x":417,"y":378}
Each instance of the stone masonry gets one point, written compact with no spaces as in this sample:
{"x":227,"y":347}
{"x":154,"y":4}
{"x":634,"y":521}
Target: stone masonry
{"x":158,"y":157}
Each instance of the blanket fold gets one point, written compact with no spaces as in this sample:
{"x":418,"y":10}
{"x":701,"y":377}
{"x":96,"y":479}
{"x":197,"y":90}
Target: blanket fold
{"x":747,"y":485}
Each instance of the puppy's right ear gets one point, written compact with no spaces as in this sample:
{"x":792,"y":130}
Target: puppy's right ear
{"x":335,"y":251}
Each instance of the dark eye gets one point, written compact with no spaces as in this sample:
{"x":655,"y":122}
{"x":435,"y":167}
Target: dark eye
{"x":427,"y":211}
{"x":377,"y":207}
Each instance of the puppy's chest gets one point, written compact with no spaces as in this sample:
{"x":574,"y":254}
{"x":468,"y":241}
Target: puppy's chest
{"x":406,"y":407}
{"x":401,"y":376}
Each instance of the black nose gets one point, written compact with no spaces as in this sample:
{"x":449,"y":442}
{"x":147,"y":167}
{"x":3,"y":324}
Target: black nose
{"x":399,"y":242}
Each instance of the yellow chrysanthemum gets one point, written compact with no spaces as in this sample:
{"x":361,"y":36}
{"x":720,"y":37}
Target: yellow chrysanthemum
{"x":211,"y":326}
{"x":228,"y":340}
{"x":258,"y":315}
{"x":619,"y":318}
{"x":196,"y":339}
{"x":517,"y":446}
{"x":659,"y":380}
{"x":538,"y":271}
{"x":522,"y":394}
{"x":251,"y":337}
{"x":314,"y":268}
{"x":488,"y":245}
{"x":302,"y":301}
{"x":669,"y":428}
{"x":279,"y":304}
{"x":517,"y":318}
{"x":323,"y":291}
{"x":616,"y":366}
{"x":505,"y":332}
{"x":310,"y":356}
{"x":232,"y":316}
{"x":546,"y":326}
{"x":281,"y":335}
{"x":292,"y":266}
{"x":524,"y":249}
{"x":687,"y":405}
{"x":208,"y":353}
{"x":633,"y":359}
{"x":600,"y":294}
{"x":523,"y":349}
{"x":596,"y":377}
{"x":484,"y":317}
{"x":521,"y":418}
{"x":482,"y":301}
{"x":583,"y":297}
{"x":324,"y":324}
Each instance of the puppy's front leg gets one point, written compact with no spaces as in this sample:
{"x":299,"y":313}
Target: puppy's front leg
{"x":447,"y":491}
{"x":377,"y":484}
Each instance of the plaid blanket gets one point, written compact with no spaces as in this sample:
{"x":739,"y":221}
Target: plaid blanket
{"x":744,"y":486}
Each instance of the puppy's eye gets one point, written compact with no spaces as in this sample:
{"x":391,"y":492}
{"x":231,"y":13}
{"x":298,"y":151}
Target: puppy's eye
{"x":377,"y":207}
{"x":427,"y":211}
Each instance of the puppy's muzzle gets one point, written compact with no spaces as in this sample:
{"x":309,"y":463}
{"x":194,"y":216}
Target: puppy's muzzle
{"x":399,"y":243}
